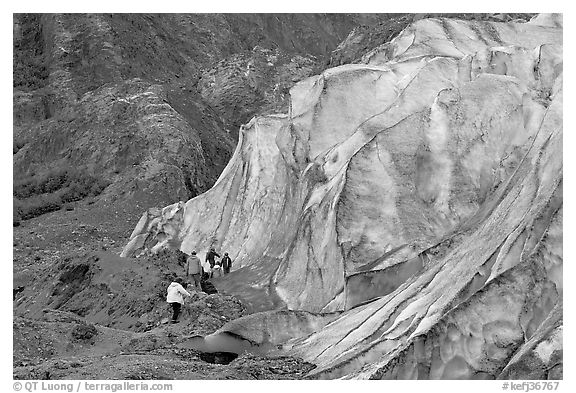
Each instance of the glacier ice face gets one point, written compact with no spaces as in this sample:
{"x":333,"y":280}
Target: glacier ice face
{"x":419,"y":192}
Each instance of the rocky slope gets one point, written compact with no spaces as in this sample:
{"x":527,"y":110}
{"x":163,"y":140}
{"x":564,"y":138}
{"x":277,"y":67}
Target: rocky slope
{"x":99,"y":316}
{"x":97,"y":109}
{"x":120,"y":293}
{"x":61,"y":345}
{"x":420,"y":192}
{"x":254,"y":82}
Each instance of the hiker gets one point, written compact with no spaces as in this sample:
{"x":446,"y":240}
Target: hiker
{"x":217,"y":270}
{"x":175,"y":298}
{"x":194,"y":269}
{"x":210,"y":256}
{"x":226,"y":263}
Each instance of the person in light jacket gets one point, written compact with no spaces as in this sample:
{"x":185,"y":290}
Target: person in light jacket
{"x":175,"y":297}
{"x":194,"y":269}
{"x":217,"y":270}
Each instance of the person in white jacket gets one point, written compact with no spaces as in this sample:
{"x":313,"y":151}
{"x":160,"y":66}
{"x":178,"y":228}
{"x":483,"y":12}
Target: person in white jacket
{"x":217,"y":270}
{"x":175,"y":297}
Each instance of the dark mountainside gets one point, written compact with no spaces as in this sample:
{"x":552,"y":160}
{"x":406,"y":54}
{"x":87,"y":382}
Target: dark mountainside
{"x":115,"y":114}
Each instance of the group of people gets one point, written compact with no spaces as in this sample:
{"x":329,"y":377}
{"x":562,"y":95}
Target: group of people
{"x":211,"y":267}
{"x":198,"y":273}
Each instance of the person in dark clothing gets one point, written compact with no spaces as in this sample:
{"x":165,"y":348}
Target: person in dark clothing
{"x":210,"y":256}
{"x":226,"y":263}
{"x":175,"y":311}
